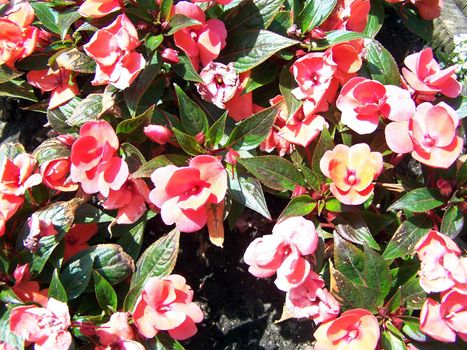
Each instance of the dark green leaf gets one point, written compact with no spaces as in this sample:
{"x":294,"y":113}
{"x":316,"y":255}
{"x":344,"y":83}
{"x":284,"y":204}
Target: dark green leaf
{"x":77,"y":274}
{"x":132,"y":156}
{"x":274,"y":172}
{"x":417,"y":25}
{"x":352,"y":227}
{"x":282,"y":21}
{"x":412,"y":294}
{"x":132,"y":240}
{"x":349,"y":260}
{"x":56,"y":289}
{"x":147,"y":4}
{"x":167,"y":159}
{"x":166,"y":8}
{"x":381,"y":64}
{"x":18,"y":88}
{"x":180,"y":21}
{"x":188,"y":143}
{"x":262,"y":75}
{"x":132,"y":129}
{"x":392,"y":342}
{"x":419,"y":200}
{"x":165,"y":342}
{"x":88,"y":213}
{"x":216,"y":131}
{"x":453,"y":221}
{"x":7,"y":296}
{"x":193,"y":118}
{"x":91,"y":108}
{"x":336,"y":37}
{"x":49,"y":150}
{"x":286,"y":85}
{"x":57,"y":117}
{"x":412,"y":328}
{"x":65,"y":20}
{"x":315,"y":13}
{"x":375,"y":18}
{"x":395,"y":302}
{"x":46,"y":15}
{"x":185,"y":69}
{"x":377,"y":274}
{"x":7,"y":74}
{"x":105,"y":294}
{"x":298,"y":206}
{"x":312,"y":180}
{"x":325,"y":143}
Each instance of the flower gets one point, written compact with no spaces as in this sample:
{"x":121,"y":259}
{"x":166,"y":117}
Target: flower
{"x":220,"y":2}
{"x":158,"y":133}
{"x":46,"y":327}
{"x":220,"y":83}
{"x":38,"y":228}
{"x":428,"y":9}
{"x":362,"y":101}
{"x":352,"y":171}
{"x":182,"y":193}
{"x":170,"y":55}
{"x":26,"y":290}
{"x":441,"y":264}
{"x":56,"y":175}
{"x":93,"y":161}
{"x":19,"y":12}
{"x":59,"y":81}
{"x":113,"y":49}
{"x":202,"y":42}
{"x":312,"y":300}
{"x":166,"y":304}
{"x":274,"y":141}
{"x":117,"y":334}
{"x":282,"y":252}
{"x":348,"y":15}
{"x":424,"y":75}
{"x":354,"y":329}
{"x":9,"y":205}
{"x":443,"y":321}
{"x":16,"y":42}
{"x":240,"y":106}
{"x":430,"y":135}
{"x":77,"y":237}
{"x":18,"y":175}
{"x":347,"y":57}
{"x":98,"y":8}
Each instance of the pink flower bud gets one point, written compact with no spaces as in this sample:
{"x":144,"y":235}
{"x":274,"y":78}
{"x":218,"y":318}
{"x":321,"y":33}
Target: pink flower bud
{"x":444,"y":186}
{"x":158,"y":133}
{"x":200,"y":137}
{"x":170,"y":55}
{"x":231,"y":156}
{"x":298,"y":190}
{"x":318,"y":34}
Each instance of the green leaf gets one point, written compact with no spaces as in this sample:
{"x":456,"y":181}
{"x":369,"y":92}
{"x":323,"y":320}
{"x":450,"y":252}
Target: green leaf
{"x":274,"y":172}
{"x":250,"y":132}
{"x":349,"y":260}
{"x":56,"y":289}
{"x":412,"y":328}
{"x":185,"y":69}
{"x":105,"y":294}
{"x":49,"y":150}
{"x":419,"y":200}
{"x":325,"y":143}
{"x":188,"y":143}
{"x":412,"y":294}
{"x":407,"y":235}
{"x":7,"y":74}
{"x":314,"y":13}
{"x":65,"y":20}
{"x":375,"y":18}
{"x":57,"y":117}
{"x":163,"y":160}
{"x":91,"y":108}
{"x":453,"y":221}
{"x":77,"y":274}
{"x":158,"y":260}
{"x":133,"y":129}
{"x":352,"y":227}
{"x":256,"y":14}
{"x":286,"y":84}
{"x":88,"y":213}
{"x":248,"y":191}
{"x":132,"y":156}
{"x":381,"y":64}
{"x":18,"y":88}
{"x":216,"y":131}
{"x":166,"y":8}
{"x":336,"y":37}
{"x":262,"y":75}
{"x":165,"y":342}
{"x":282,"y":21}
{"x":132,"y":240}
{"x":46,"y":15}
{"x":392,"y":342}
{"x":298,"y":206}
{"x":312,"y":180}
{"x":180,"y":21}
{"x":7,"y":296}
{"x":147,"y":4}
{"x":377,"y":274}
{"x":6,"y":335}
{"x":248,"y":49}
{"x":193,"y":118}
{"x":414,"y":23}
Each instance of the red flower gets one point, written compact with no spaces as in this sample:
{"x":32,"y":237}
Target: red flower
{"x":56,"y":175}
{"x":98,"y":8}
{"x":18,"y":175}
{"x":348,"y":15}
{"x":16,"y":42}
{"x":77,"y":237}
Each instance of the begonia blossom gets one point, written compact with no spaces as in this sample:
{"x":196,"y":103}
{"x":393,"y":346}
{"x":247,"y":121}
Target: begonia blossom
{"x":430,"y":135}
{"x":166,"y":304}
{"x":182,"y":193}
{"x":98,"y":8}
{"x":94,"y":163}
{"x":113,"y":48}
{"x":46,"y":327}
{"x":355,"y":329}
{"x":352,"y":171}
{"x":117,"y":334}
{"x":56,"y":175}
{"x":348,"y":15}
{"x":77,"y":237}
{"x":19,"y":174}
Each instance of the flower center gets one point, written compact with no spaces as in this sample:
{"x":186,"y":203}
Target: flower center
{"x":428,"y":141}
{"x":351,"y":178}
{"x":352,"y":335}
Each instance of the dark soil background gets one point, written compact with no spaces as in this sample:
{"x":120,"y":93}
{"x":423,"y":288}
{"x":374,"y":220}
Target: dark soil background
{"x":240,"y":309}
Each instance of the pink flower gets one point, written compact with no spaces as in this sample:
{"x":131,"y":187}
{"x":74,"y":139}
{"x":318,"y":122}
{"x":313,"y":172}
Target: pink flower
{"x":113,"y":49}
{"x":18,"y":175}
{"x":19,"y":12}
{"x":56,"y":175}
{"x":347,"y":57}
{"x":158,"y":133}
{"x":274,"y":141}
{"x":16,"y":42}
{"x":282,"y":253}
{"x":443,"y":321}
{"x":182,"y":193}
{"x":46,"y":327}
{"x":355,"y":329}
{"x":26,"y":290}
{"x":94,"y":163}
{"x":220,"y":2}
{"x":424,"y":75}
{"x":362,"y":101}
{"x":430,"y":135}
{"x":442,"y":267}
{"x":312,"y":300}
{"x":38,"y":228}
{"x":352,"y":171}
{"x":130,"y":200}
{"x":166,"y":304}
{"x":9,"y":205}
{"x":98,"y":8}
{"x":241,"y":105}
{"x":62,"y":86}
{"x":202,"y":42}
{"x":117,"y":334}
{"x":170,"y":55}
{"x":77,"y":237}
{"x":348,"y":15}
{"x":220,"y":83}
{"x":428,"y":9}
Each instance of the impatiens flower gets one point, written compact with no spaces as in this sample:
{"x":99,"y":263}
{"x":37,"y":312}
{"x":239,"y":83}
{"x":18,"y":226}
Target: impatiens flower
{"x":312,"y":300}
{"x":58,"y":81}
{"x":428,"y":9}
{"x":348,"y":15}
{"x":46,"y":327}
{"x":443,"y":321}
{"x":202,"y":42}
{"x":130,"y":200}
{"x":220,"y":83}
{"x":20,"y":12}
{"x":98,"y":8}
{"x":16,"y":42}
{"x":348,"y":59}
{"x":18,"y":175}
{"x":220,"y":2}
{"x":26,"y":290}
{"x":274,"y":141}
{"x":94,"y":163}
{"x":441,"y":263}
{"x":182,"y":193}
{"x":158,"y":133}
{"x":430,"y":135}
{"x":9,"y":205}
{"x":352,"y":171}
{"x":170,"y":55}
{"x":56,"y":175}
{"x":240,"y":106}
{"x":362,"y":101}
{"x":282,"y":252}
{"x":424,"y":75}
{"x":77,"y":237}
{"x":355,"y":329}
{"x":113,"y":49}
{"x":166,"y":304}
{"x":117,"y":334}
{"x":38,"y":228}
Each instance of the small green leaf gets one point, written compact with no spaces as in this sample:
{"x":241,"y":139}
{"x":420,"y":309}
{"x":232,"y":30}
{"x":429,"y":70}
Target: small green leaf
{"x":132,"y":239}
{"x":336,"y":37}
{"x":166,"y":8}
{"x":49,"y":150}
{"x":65,"y":20}
{"x":18,"y":88}
{"x":105,"y":294}
{"x":352,"y":227}
{"x":412,"y":294}
{"x":180,"y":21}
{"x":375,"y":18}
{"x":453,"y":221}
{"x":185,"y":69}
{"x":46,"y":15}
{"x":414,"y":23}
{"x":298,"y":206}
{"x":262,"y":75}
{"x":132,"y":156}
{"x":419,"y":200}
{"x":349,"y":260}
{"x":88,"y":213}
{"x":392,"y":342}
{"x":274,"y":172}
{"x":58,"y":117}
{"x":91,"y":108}
{"x":412,"y":328}
{"x":7,"y":74}
{"x":7,"y":296}
{"x":325,"y":143}
{"x":315,"y":13}
{"x":56,"y":289}
{"x":286,"y":84}
{"x":216,"y":131}
{"x":193,"y":118}
{"x":163,"y":160}
{"x":132,"y":129}
{"x":381,"y":64}
{"x":77,"y":274}
{"x":377,"y":274}
{"x":188,"y":143}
